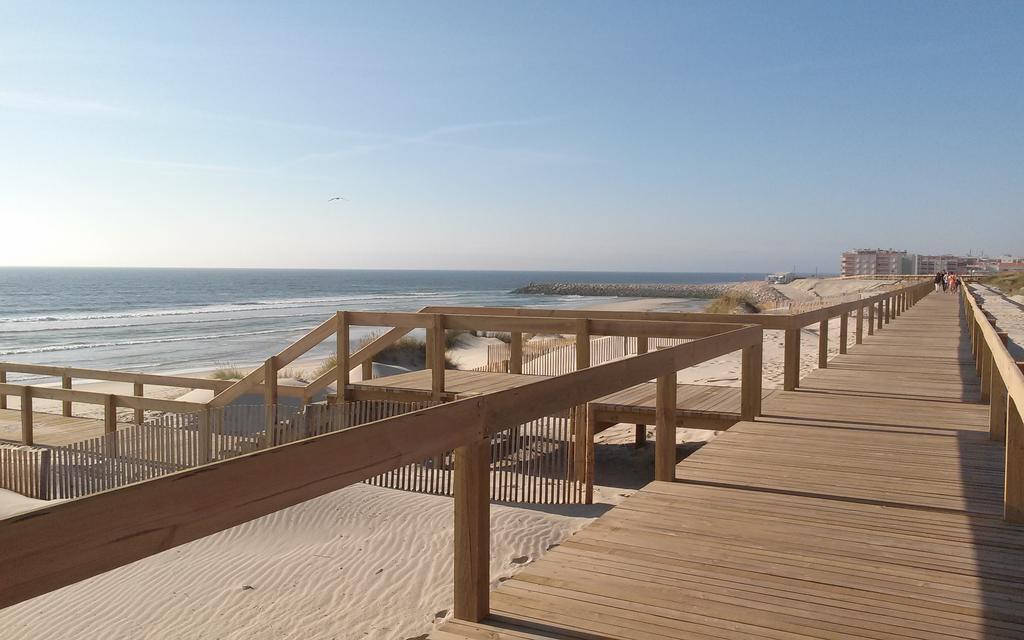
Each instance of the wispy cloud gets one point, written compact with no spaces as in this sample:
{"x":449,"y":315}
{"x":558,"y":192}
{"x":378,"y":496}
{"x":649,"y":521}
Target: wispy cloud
{"x":447,"y":136}
{"x":38,"y":103}
{"x":192,"y":166}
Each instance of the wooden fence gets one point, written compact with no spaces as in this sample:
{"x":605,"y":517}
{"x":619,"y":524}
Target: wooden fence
{"x":174,"y":442}
{"x":1002,"y":387}
{"x":530,"y":463}
{"x":554,"y":358}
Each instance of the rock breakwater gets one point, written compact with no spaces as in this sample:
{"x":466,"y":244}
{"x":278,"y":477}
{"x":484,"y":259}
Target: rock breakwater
{"x":759,"y":292}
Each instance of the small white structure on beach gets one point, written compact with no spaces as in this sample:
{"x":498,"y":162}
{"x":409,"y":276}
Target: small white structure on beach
{"x":781,"y":277}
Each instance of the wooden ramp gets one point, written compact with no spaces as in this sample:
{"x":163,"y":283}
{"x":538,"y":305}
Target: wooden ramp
{"x":864,"y":505}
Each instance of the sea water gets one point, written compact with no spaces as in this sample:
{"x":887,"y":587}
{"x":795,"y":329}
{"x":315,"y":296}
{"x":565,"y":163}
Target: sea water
{"x":181,"y":320}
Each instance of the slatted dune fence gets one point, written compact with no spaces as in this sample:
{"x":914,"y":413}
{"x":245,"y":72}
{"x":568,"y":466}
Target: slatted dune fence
{"x":174,"y":442}
{"x":530,"y":463}
{"x":558,"y":358}
{"x":23,"y":469}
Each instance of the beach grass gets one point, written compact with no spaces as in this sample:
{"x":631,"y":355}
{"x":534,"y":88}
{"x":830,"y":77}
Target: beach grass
{"x":1009,"y":283}
{"x":228,"y":372}
{"x":409,"y":352}
{"x":733,"y":302}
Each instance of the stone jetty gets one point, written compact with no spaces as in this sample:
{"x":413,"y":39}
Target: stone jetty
{"x":760,"y":292}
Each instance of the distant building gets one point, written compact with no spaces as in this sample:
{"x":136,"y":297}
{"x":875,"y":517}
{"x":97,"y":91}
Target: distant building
{"x":889,"y":262}
{"x":873,"y":262}
{"x":945,"y":263}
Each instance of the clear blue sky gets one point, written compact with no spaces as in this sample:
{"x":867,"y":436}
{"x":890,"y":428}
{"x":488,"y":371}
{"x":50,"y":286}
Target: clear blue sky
{"x":621,"y":136}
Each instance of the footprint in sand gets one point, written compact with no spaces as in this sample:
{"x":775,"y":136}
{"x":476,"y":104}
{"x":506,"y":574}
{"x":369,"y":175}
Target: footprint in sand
{"x":521,"y":560}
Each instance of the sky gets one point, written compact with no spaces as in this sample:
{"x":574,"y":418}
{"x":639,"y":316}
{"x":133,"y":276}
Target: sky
{"x":635,"y":136}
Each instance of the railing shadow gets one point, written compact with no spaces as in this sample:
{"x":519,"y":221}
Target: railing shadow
{"x":992,"y":539}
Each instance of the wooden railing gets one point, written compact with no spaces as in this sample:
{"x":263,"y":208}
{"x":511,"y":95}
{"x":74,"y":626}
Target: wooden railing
{"x":109,"y":401}
{"x":436,"y":324}
{"x":872,"y":313}
{"x":51,"y":547}
{"x":1002,"y":387}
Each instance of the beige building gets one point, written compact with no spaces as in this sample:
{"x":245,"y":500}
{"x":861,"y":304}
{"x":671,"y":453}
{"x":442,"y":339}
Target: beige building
{"x":873,"y":262}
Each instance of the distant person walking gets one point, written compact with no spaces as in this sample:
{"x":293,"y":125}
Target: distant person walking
{"x":954,"y":283}
{"x":939,"y":277}
{"x":945,"y":282}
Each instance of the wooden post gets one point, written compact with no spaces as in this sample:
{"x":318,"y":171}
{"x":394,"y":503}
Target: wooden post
{"x":437,"y":357}
{"x":515,"y":353}
{"x":110,"y":426}
{"x":823,"y":344}
{"x":997,"y":409}
{"x":472,"y":531}
{"x":1013,"y":487}
{"x":367,"y":369}
{"x":881,"y":317}
{"x":979,"y":340}
{"x":65,"y":405}
{"x":859,"y":330}
{"x":579,"y":449}
{"x":588,"y":484}
{"x":665,"y":428}
{"x":791,"y":360}
{"x":887,"y":309}
{"x":26,"y":415}
{"x":844,"y":330}
{"x":871,"y":319}
{"x":109,"y":414}
{"x":3,"y":396}
{"x":270,"y":399}
{"x":640,"y":430}
{"x":750,"y":398}
{"x":342,"y":348}
{"x":582,"y":344}
{"x":205,"y":436}
{"x":986,"y":370}
{"x":139,"y":391}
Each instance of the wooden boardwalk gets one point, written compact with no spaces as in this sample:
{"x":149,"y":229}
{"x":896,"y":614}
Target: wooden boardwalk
{"x":49,"y":428}
{"x":864,"y":505}
{"x":699,"y":406}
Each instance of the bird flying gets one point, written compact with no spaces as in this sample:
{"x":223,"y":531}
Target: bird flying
{"x":336,"y":198}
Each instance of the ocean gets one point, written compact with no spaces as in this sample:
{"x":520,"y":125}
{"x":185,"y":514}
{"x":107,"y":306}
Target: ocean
{"x":182,"y":320}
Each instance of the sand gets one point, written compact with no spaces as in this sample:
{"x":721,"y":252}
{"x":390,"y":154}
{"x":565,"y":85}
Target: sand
{"x":810,"y":289}
{"x":1009,"y":315}
{"x":363,"y":562}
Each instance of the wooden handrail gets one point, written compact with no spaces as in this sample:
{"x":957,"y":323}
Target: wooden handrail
{"x":1003,"y":387}
{"x":184,"y":382}
{"x":57,"y":545}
